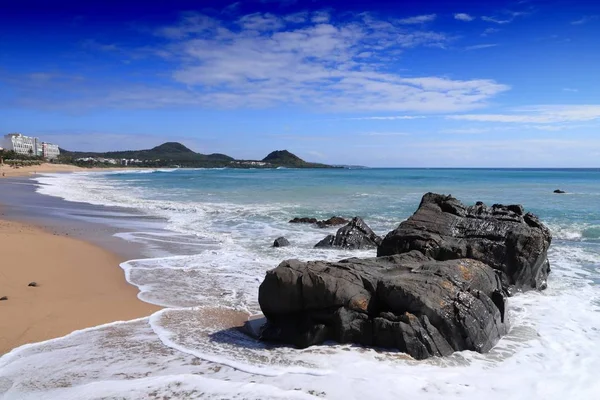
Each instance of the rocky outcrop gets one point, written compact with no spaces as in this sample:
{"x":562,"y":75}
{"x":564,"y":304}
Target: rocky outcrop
{"x":409,"y":302}
{"x":326,"y":223}
{"x":333,"y":221}
{"x":355,"y":235}
{"x":506,"y":238}
{"x":438,"y":285}
{"x":559,"y":191}
{"x":303,"y":220}
{"x":281,"y":242}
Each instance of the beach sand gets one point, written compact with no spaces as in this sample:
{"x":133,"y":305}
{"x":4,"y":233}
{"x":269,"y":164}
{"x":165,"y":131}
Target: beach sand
{"x":79,"y":285}
{"x":9,"y":171}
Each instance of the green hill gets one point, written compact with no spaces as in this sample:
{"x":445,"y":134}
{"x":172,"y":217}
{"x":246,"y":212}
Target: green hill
{"x":176,"y":154}
{"x":165,"y":154}
{"x":283,"y":158}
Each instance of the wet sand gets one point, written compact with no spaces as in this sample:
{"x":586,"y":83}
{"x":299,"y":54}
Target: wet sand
{"x":79,"y":285}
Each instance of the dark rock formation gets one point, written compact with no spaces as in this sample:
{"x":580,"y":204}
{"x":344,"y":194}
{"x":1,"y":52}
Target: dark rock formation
{"x":32,"y":284}
{"x":559,"y":191}
{"x":3,"y":298}
{"x":438,"y":285}
{"x":504,"y":237}
{"x":281,"y":242}
{"x":355,"y":235}
{"x":326,"y":223}
{"x":303,"y":220}
{"x":409,"y":302}
{"x":333,"y":221}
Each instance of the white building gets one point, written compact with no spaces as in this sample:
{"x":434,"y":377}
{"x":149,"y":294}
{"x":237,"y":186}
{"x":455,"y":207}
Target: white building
{"x":29,"y":146}
{"x":20,"y":144}
{"x":50,"y":151}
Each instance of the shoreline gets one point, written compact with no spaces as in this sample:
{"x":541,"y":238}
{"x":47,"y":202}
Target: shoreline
{"x":79,"y":285}
{"x":48,"y":168}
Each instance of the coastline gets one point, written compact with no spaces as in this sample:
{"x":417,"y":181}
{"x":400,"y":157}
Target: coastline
{"x":80,"y":285}
{"x":9,"y":172}
{"x":49,"y":168}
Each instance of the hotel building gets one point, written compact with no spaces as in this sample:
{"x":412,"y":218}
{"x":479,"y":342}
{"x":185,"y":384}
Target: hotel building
{"x":28,"y":146}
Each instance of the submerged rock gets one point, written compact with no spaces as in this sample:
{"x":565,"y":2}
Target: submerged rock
{"x":333,"y":221}
{"x":281,"y":242}
{"x":559,"y":191}
{"x":506,"y":238}
{"x":303,"y":220}
{"x":438,"y":285}
{"x":355,"y":235}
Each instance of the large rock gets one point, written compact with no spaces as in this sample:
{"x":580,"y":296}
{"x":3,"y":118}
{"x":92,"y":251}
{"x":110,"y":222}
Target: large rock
{"x":409,"y":302}
{"x":355,"y":235}
{"x":438,"y":285}
{"x":506,"y":238}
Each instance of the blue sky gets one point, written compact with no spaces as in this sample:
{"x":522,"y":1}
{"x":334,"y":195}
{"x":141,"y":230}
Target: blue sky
{"x":377,"y":83}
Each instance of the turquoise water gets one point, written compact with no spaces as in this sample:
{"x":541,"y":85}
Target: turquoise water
{"x":383,"y":195}
{"x":214,"y":247}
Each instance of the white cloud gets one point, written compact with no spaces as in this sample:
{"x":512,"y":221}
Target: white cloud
{"x":320,"y":17}
{"x":349,"y":66}
{"x":539,"y":115}
{"x":389,"y":118}
{"x":497,"y":20}
{"x":584,"y":20}
{"x":489,"y":31}
{"x":261,"y":22}
{"x":480,"y":46}
{"x":463,"y":17}
{"x":467,"y":131}
{"x":297,"y":18}
{"x":387,"y":134}
{"x":419,"y":19}
{"x":570,"y":90}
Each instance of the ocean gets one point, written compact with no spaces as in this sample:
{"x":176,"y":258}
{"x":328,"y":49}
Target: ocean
{"x":209,"y":246}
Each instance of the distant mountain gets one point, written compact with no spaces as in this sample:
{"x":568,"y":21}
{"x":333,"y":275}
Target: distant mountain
{"x":170,"y":152}
{"x":283,"y":158}
{"x":173,"y":153}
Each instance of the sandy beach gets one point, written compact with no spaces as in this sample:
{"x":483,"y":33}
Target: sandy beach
{"x":79,"y":285}
{"x":8,"y":171}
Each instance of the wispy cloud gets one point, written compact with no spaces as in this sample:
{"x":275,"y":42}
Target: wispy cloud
{"x":260,"y":60}
{"x":497,"y":20}
{"x":507,"y":16}
{"x":551,"y":114}
{"x":466,"y":131}
{"x":489,"y":31}
{"x":419,"y":19}
{"x":570,"y":90}
{"x":481,"y":46}
{"x":387,"y":134}
{"x":320,"y":17}
{"x":464,"y":17}
{"x":389,"y":118}
{"x":336,"y":66}
{"x":584,"y":20}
